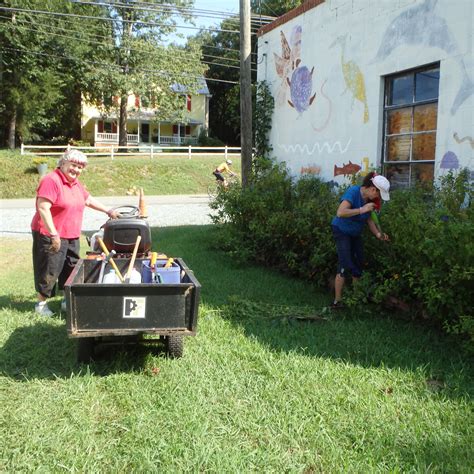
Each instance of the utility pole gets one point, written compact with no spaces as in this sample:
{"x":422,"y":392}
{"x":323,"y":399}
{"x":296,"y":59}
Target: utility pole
{"x":246,"y":140}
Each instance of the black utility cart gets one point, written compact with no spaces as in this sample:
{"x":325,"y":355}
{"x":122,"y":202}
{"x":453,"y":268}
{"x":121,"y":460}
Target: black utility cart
{"x":127,"y":312}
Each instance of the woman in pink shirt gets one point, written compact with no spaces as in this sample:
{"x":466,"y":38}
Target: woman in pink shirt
{"x":56,"y":226}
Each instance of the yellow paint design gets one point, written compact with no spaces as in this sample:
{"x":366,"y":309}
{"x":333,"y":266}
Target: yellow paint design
{"x":353,"y":76}
{"x":356,"y":84}
{"x":365,"y":166}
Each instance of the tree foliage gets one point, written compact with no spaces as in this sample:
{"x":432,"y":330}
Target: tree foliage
{"x":47,"y":62}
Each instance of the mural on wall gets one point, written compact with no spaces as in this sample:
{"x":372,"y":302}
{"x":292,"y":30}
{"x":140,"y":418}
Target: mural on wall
{"x":311,"y":169}
{"x":461,"y":140}
{"x":350,"y":168}
{"x":287,"y":62}
{"x":420,"y":26}
{"x":449,"y":161}
{"x":301,"y":86}
{"x":297,"y":79}
{"x":326,"y":147}
{"x":353,"y":77}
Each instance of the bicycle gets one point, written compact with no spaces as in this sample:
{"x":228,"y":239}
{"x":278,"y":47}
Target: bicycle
{"x":215,"y":187}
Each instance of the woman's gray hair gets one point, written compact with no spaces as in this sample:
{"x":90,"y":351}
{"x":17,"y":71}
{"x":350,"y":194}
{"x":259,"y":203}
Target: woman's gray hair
{"x":73,"y":156}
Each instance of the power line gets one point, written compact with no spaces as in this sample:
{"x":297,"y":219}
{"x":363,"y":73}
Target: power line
{"x":163,"y":52}
{"x":174,"y":9}
{"x":90,"y":17}
{"x":69,"y":21}
{"x":112,"y":67}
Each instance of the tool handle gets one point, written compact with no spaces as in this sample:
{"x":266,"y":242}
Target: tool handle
{"x":154,"y":256}
{"x":104,"y":248}
{"x":114,"y":265}
{"x":134,"y":256}
{"x":169,"y":263}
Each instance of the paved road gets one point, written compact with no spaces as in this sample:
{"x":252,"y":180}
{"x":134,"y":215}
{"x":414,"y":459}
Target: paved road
{"x":164,"y":211}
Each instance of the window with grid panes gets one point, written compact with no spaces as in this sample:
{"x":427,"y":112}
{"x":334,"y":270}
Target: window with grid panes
{"x":410,"y":117}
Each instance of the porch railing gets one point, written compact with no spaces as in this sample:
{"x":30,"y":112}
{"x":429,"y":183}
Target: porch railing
{"x":113,"y":137}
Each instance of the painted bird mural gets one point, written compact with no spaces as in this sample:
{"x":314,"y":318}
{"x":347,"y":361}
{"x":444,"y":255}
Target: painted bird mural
{"x":353,"y":77}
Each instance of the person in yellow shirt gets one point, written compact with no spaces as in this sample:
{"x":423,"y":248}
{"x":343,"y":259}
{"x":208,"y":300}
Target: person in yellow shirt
{"x":224,"y":167}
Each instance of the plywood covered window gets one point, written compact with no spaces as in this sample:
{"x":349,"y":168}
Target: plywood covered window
{"x":411,"y":116}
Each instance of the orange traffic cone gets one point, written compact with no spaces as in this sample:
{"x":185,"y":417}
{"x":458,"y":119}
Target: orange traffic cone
{"x":142,"y":205}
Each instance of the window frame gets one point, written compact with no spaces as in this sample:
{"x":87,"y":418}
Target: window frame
{"x":412,"y":105}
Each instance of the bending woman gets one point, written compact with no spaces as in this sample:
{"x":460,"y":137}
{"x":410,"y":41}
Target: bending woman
{"x":353,"y":213}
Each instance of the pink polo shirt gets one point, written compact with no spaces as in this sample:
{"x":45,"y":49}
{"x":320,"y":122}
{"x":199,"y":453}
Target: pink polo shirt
{"x":68,"y":203}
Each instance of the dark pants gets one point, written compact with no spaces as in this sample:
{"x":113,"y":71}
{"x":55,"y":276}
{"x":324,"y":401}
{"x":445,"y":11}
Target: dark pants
{"x":49,"y":266}
{"x":218,"y":176}
{"x":350,"y":252}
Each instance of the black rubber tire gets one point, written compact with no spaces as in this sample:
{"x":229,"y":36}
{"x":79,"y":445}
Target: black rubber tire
{"x":175,"y":346}
{"x":85,"y":349}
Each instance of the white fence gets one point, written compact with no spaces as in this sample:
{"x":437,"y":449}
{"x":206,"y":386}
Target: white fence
{"x":150,"y":151}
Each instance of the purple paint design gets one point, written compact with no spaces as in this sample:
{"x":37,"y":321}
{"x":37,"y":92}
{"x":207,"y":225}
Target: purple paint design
{"x":449,"y":161}
{"x":301,"y":86}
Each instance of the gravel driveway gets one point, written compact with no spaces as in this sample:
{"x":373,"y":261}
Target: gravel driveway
{"x":163,"y":211}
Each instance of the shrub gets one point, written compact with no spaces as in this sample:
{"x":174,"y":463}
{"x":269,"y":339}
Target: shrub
{"x":206,"y":140}
{"x":426,"y":266}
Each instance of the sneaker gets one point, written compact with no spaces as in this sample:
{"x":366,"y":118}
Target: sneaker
{"x":63,"y":305}
{"x":43,"y":310}
{"x":338,"y":305}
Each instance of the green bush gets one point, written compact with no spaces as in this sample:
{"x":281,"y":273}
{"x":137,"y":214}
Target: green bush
{"x":426,"y":266}
{"x":278,"y":222}
{"x":206,"y":140}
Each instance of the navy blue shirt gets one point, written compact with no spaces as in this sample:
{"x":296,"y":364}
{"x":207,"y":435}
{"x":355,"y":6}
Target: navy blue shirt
{"x":355,"y":224}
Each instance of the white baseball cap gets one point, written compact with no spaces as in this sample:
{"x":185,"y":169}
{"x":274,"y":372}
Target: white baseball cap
{"x":383,"y":185}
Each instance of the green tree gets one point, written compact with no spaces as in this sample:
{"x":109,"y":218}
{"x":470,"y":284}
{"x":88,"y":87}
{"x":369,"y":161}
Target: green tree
{"x":274,"y":7}
{"x":48,"y":62}
{"x":41,"y":68}
{"x":137,"y":61}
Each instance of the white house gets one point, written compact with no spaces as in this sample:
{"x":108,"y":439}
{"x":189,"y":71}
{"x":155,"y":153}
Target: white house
{"x":371,"y":83}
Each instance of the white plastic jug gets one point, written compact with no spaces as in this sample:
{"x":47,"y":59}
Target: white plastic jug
{"x":111,"y":277}
{"x":135,"y":276}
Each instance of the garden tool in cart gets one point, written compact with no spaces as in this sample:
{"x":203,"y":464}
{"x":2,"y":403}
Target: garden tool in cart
{"x":132,"y":261}
{"x":112,"y":262}
{"x":155,"y":277}
{"x":105,"y":260}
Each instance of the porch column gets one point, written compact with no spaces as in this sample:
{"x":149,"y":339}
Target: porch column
{"x":139,"y":128}
{"x":95,"y":131}
{"x":159,"y":133}
{"x":179,"y":134}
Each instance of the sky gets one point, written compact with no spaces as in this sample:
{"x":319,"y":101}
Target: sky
{"x":227,"y":6}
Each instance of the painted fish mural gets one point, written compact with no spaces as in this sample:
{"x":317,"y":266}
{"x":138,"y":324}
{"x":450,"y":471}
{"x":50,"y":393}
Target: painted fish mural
{"x":312,"y":169}
{"x":420,"y":26}
{"x":301,"y":86}
{"x":350,"y":168}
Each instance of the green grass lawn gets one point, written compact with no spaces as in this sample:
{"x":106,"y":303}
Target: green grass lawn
{"x":256,"y":391}
{"x":104,"y":177}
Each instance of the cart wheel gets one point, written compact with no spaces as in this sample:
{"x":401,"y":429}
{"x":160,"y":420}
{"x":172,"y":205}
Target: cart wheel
{"x":175,"y":346}
{"x":85,"y":349}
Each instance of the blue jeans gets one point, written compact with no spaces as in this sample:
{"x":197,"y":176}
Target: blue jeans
{"x":350,"y":253}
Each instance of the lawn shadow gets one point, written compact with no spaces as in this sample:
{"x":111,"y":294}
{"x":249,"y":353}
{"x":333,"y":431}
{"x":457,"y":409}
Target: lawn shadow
{"x":43,"y":351}
{"x":360,"y":338}
{"x":40,"y":348}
